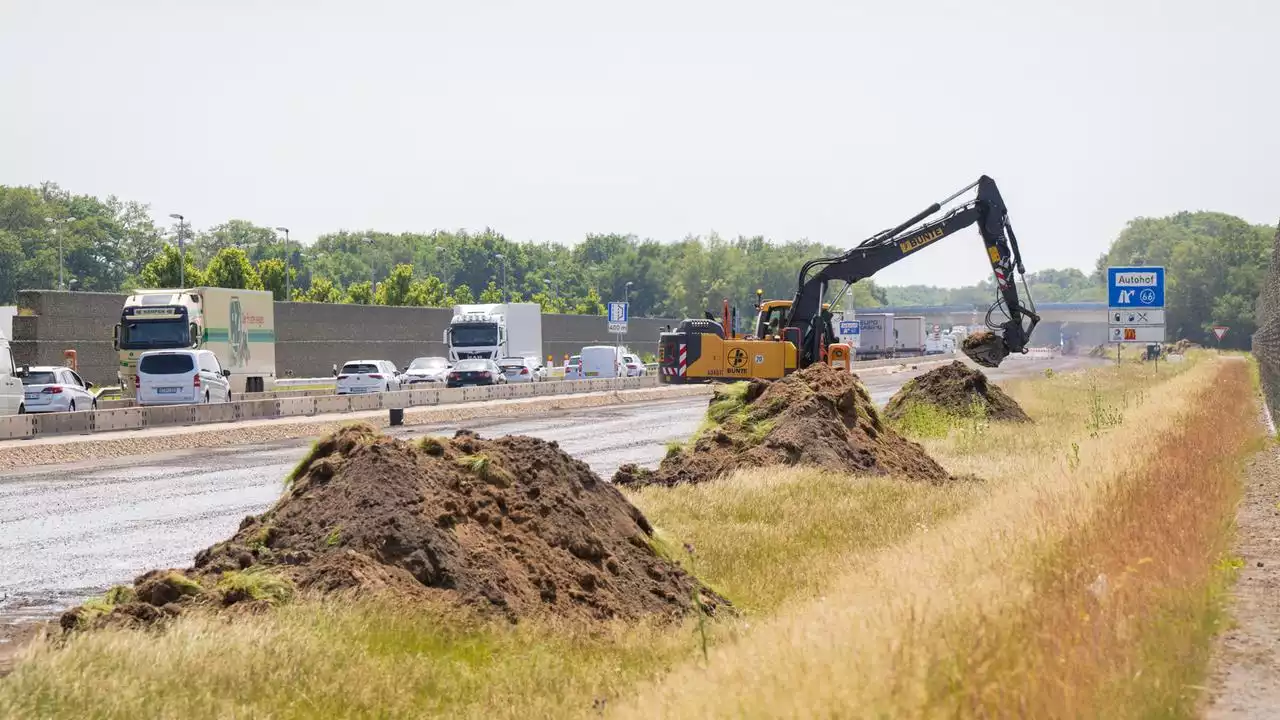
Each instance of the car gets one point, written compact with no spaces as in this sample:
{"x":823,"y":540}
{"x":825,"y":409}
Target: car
{"x":600,"y":361}
{"x":520,"y":369}
{"x":367,"y":376}
{"x":425,"y":370}
{"x":573,"y":371}
{"x":180,"y":377}
{"x":633,"y":365}
{"x":475,"y":371}
{"x":48,"y":388}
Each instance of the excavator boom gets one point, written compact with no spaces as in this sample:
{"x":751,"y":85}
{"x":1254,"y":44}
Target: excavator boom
{"x":988,"y":212}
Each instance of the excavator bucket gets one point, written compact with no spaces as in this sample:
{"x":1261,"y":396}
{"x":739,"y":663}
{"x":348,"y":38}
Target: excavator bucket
{"x":985,"y":348}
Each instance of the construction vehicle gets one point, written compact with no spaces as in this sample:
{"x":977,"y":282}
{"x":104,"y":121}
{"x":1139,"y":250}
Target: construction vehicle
{"x":791,"y":335}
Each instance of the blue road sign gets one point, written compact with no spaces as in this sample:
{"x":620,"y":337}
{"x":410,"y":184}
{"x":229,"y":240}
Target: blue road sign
{"x":850,"y":327}
{"x":1136,"y":287}
{"x":618,"y":312}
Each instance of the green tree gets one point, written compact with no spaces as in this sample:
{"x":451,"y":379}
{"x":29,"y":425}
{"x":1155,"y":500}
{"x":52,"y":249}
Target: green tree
{"x":492,"y":293}
{"x":428,"y":292}
{"x":322,"y":290}
{"x":396,"y":288}
{"x":231,"y":268}
{"x":462,"y":296}
{"x":271,"y":275}
{"x":360,"y":293}
{"x":163,"y":271}
{"x":589,"y":305}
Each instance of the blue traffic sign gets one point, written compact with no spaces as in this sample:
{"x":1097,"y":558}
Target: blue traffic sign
{"x":618,"y":312}
{"x":1136,"y":286}
{"x":850,"y":327}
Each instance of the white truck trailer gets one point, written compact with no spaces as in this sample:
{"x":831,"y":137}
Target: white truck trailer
{"x":875,"y":336}
{"x":908,"y":335}
{"x":494,"y":331}
{"x":239,"y":326}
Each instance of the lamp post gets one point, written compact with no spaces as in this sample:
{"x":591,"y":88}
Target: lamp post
{"x":288,"y":265}
{"x":626,"y":303}
{"x":59,"y":232}
{"x":447,"y":276}
{"x":503,"y":258}
{"x":182,"y":253}
{"x":373,"y":272}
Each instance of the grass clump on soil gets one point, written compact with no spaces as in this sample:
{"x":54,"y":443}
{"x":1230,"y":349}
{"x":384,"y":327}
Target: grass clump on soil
{"x":818,"y":417}
{"x":956,"y":391}
{"x":254,"y":584}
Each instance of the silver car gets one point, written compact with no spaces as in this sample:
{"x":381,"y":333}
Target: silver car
{"x":56,"y":389}
{"x":426,"y":370}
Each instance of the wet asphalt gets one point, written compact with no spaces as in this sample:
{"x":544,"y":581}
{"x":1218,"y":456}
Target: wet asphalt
{"x":68,"y":532}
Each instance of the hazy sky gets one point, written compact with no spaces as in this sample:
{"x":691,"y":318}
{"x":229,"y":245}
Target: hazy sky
{"x":550,"y":120}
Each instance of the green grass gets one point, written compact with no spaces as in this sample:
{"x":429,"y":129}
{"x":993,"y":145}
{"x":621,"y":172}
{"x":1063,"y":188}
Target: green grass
{"x":256,"y":584}
{"x":485,"y":468}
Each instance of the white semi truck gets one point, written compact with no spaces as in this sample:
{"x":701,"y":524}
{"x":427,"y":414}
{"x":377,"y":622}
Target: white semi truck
{"x":875,"y":335}
{"x":239,"y":326}
{"x":495,"y":331}
{"x":908,"y":335}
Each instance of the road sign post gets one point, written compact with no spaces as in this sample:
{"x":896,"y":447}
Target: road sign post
{"x":619,"y":314}
{"x":1135,"y":305}
{"x":1219,"y":331}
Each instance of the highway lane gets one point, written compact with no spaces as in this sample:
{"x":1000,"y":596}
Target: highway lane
{"x":67,"y":532}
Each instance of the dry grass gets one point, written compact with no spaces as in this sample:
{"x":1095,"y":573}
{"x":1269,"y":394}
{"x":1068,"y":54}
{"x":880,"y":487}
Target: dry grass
{"x":862,"y":597}
{"x":916,"y":632}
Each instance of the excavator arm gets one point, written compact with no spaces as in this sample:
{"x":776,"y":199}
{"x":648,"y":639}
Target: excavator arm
{"x":987,"y":210}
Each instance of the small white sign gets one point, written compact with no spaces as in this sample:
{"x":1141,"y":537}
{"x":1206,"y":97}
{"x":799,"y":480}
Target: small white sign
{"x":1134,"y":317}
{"x":1220,"y":330}
{"x":759,"y":359}
{"x":618,"y":328}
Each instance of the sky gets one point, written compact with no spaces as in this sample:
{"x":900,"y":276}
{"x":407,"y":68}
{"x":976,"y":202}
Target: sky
{"x":826,"y":121}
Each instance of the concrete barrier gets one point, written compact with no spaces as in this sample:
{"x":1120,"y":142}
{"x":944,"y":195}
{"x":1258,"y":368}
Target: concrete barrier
{"x":13,"y":427}
{"x":395,"y":400}
{"x":448,"y":396}
{"x":158,"y":415}
{"x":63,"y":423}
{"x":257,"y":409}
{"x":126,"y":418}
{"x":216,"y":412}
{"x":294,"y":407}
{"x":114,"y":404}
{"x":371,"y":401}
{"x":418,"y":398}
{"x":333,"y":404}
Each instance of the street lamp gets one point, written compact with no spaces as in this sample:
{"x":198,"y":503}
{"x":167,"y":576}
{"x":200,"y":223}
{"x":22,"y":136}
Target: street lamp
{"x":59,"y":235}
{"x":448,"y":278}
{"x":182,"y":253}
{"x":288,"y":264}
{"x":373,"y":272}
{"x":503,"y":258}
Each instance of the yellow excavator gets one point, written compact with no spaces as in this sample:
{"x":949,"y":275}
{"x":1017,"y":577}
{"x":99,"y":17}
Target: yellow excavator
{"x":794,"y":334}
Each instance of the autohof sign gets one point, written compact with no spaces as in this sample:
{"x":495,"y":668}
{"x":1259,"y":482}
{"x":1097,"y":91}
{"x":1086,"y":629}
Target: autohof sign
{"x":1135,"y":304}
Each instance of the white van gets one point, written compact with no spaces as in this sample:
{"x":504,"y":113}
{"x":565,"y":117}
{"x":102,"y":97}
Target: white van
{"x":600,"y":361}
{"x":181,"y":377}
{"x":10,"y":384}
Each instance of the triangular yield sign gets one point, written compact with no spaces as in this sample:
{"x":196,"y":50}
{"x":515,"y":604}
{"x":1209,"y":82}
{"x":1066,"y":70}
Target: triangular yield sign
{"x":1219,"y":330}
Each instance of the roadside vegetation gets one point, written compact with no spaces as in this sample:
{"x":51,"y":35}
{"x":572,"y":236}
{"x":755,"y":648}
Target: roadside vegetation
{"x":1079,"y":573}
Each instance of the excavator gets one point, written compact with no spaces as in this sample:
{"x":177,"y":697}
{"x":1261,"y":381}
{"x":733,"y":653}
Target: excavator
{"x":794,"y":334}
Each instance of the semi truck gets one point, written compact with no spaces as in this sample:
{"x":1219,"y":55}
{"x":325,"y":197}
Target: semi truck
{"x":908,"y":335}
{"x":875,"y":335}
{"x":237,"y":325}
{"x":494,"y":331}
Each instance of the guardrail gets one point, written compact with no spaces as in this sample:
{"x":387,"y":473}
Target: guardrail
{"x":136,"y":418}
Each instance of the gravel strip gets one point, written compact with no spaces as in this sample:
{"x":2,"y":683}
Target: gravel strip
{"x":230,"y":434}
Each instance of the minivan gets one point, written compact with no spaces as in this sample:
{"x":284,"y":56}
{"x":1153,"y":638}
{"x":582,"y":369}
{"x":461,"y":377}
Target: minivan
{"x":600,"y":361}
{"x":181,"y":377}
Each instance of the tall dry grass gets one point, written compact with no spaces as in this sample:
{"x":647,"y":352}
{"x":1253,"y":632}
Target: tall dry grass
{"x":973,"y":618}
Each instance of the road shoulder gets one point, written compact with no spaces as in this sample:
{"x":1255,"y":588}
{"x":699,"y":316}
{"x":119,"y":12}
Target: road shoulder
{"x":1246,"y":671}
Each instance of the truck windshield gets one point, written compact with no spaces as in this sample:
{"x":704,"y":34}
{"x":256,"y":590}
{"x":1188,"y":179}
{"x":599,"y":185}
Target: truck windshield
{"x":150,"y":334}
{"x":474,"y":335}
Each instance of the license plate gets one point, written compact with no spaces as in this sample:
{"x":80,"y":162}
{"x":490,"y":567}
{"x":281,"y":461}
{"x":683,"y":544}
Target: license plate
{"x":591,"y":373}
{"x":33,"y":396}
{"x":166,"y":391}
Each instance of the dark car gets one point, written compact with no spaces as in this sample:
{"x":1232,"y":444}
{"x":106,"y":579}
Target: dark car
{"x":475,"y":372}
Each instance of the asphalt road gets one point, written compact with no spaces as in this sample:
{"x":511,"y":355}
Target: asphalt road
{"x":67,"y":532}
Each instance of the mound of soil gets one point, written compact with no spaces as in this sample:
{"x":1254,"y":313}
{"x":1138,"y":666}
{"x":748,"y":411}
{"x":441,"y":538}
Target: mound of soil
{"x":511,"y":526}
{"x":955,"y":389}
{"x":1184,"y":345}
{"x":820,"y":417}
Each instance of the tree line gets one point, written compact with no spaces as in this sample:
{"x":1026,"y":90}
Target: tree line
{"x":1215,"y":263}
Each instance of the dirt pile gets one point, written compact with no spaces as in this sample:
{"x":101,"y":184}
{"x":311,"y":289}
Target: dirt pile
{"x":511,"y":526}
{"x":1099,"y":351}
{"x":957,"y":390}
{"x":819,"y":417}
{"x":1182,"y":346}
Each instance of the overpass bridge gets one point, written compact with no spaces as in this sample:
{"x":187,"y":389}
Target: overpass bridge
{"x":1086,"y":320}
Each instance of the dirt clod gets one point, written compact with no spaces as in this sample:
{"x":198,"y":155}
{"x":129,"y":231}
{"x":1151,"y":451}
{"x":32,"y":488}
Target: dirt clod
{"x":820,"y":417}
{"x":957,"y":390}
{"x":511,"y":527}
